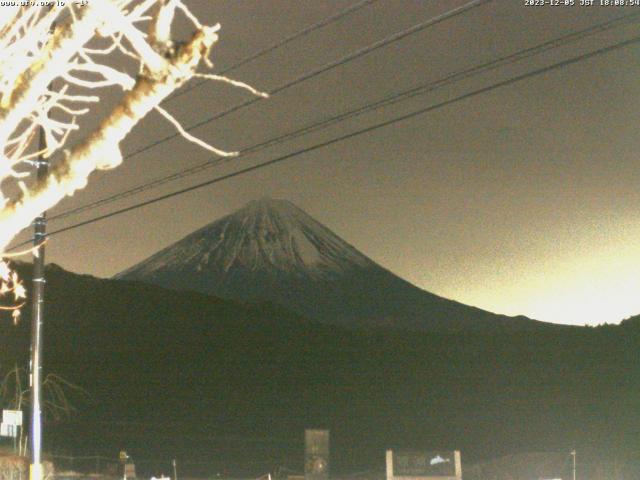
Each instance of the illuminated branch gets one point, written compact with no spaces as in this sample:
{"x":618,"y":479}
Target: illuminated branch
{"x":40,"y":58}
{"x":235,"y":83}
{"x":32,"y":57}
{"x":187,"y":136}
{"x":12,"y":291}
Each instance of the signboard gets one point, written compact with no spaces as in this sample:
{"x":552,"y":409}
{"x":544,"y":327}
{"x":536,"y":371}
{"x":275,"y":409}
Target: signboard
{"x":12,"y":417}
{"x":128,"y":467}
{"x":316,"y":454}
{"x":424,"y":465}
{"x":129,"y":470}
{"x":8,"y":430}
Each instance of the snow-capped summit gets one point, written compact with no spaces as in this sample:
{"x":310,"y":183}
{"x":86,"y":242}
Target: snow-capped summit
{"x":272,"y":251}
{"x":265,"y":235}
{"x":275,"y":234}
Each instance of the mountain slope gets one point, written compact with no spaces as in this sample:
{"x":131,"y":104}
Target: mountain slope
{"x":272,"y":251}
{"x":221,"y":386}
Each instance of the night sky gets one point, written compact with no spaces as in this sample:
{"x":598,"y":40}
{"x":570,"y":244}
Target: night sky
{"x":523,"y":200}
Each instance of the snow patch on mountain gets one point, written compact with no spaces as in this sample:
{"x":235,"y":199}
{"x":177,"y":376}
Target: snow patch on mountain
{"x":265,"y":235}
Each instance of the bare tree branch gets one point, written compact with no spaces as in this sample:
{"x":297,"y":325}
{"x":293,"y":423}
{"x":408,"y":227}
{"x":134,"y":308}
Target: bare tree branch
{"x":38,"y":56}
{"x":33,"y":55}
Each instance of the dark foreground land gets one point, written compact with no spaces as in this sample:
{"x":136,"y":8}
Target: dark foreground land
{"x":229,"y":388}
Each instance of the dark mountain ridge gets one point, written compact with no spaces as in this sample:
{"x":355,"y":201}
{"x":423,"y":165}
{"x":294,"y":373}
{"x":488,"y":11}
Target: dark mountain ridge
{"x":272,"y":251}
{"x":229,"y":387}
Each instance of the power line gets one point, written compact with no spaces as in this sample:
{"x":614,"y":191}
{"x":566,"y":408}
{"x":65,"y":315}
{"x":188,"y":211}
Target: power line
{"x":362,"y":131}
{"x":358,"y":53}
{"x":327,"y":67}
{"x":391,"y":99}
{"x":305,"y":31}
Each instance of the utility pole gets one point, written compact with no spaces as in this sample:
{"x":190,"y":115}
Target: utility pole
{"x":573,"y":454}
{"x":39,"y":235}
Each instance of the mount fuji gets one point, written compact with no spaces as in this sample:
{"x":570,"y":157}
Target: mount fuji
{"x":271,"y":251}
